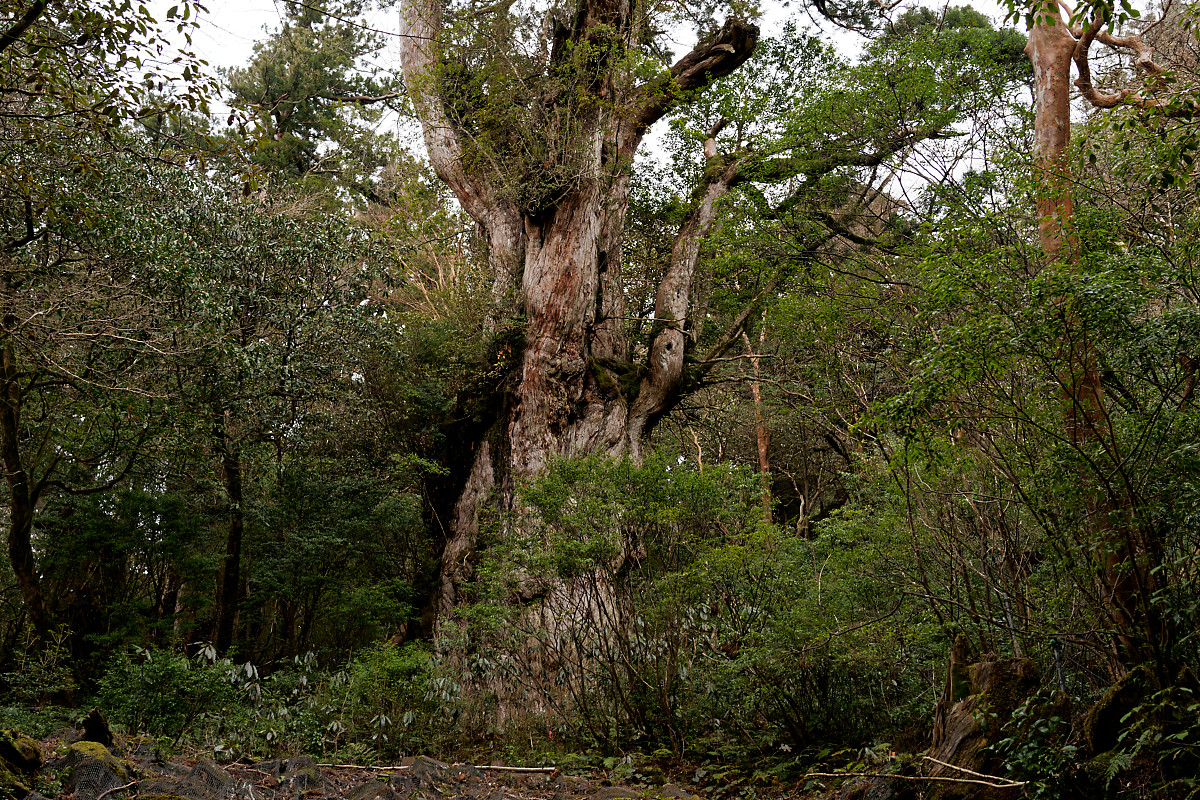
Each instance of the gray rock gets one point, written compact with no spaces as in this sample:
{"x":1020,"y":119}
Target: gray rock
{"x":536,"y":780}
{"x":613,"y":793}
{"x":463,"y":771}
{"x":92,"y":770}
{"x":274,"y":767}
{"x":571,"y":787}
{"x":372,"y":790}
{"x":301,"y":774}
{"x":205,"y":781}
{"x":429,"y":772}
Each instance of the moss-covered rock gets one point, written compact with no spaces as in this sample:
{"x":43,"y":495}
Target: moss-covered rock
{"x":21,"y":753}
{"x":91,"y":770}
{"x":1102,"y":724}
{"x":302,"y":774}
{"x":81,"y":752}
{"x":11,"y":787}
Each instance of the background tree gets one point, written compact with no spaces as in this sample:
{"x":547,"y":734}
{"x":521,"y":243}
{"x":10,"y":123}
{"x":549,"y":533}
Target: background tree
{"x":317,"y":103}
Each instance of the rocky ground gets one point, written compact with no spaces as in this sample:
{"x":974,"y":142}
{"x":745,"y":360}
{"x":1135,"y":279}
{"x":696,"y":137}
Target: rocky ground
{"x":89,"y":765}
{"x":95,"y":770}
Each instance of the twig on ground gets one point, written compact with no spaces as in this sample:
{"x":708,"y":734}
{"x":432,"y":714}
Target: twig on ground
{"x":107,"y":792}
{"x":973,"y":772}
{"x":1013,"y":785}
{"x":477,"y":766}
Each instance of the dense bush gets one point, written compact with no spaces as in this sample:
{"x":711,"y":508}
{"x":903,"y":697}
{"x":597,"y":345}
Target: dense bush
{"x":375,"y":706}
{"x":695,"y":626}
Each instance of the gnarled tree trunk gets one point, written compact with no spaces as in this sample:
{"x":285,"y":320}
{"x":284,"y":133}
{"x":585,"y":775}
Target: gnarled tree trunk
{"x":559,"y":267}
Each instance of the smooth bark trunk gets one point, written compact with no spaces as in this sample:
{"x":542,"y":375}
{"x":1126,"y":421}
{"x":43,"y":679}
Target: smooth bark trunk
{"x":762,"y":435}
{"x":1129,"y":578}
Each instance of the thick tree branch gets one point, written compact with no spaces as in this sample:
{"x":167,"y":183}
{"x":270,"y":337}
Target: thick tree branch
{"x":1143,"y":60}
{"x":420,"y":24}
{"x":501,"y":225}
{"x":1083,"y":66}
{"x":713,"y":58}
{"x":659,"y":388}
{"x":10,"y":36}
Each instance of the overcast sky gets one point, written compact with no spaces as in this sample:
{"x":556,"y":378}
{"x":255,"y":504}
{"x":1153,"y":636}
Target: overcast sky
{"x":229,"y":30}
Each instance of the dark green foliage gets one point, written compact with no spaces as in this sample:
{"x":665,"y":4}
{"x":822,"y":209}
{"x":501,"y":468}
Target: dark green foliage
{"x":164,"y":693}
{"x":730,"y":642}
{"x":315,"y":105}
{"x":375,"y":705}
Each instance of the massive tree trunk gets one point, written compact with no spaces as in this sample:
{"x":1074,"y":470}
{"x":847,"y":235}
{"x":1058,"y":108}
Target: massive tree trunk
{"x":557,"y":264}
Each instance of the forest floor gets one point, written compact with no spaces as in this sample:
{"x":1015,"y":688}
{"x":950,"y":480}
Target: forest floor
{"x":136,"y":770}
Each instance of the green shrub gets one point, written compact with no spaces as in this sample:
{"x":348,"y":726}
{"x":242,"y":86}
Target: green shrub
{"x":164,"y":693}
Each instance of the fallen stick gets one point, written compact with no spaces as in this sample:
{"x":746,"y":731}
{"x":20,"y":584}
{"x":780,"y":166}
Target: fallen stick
{"x":477,"y":766}
{"x":107,"y":792}
{"x":973,"y":772}
{"x":1013,"y":785}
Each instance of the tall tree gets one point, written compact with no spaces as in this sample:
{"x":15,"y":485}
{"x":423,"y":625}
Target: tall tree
{"x":1057,"y":41}
{"x":315,"y":103}
{"x":68,"y":310}
{"x":538,"y":145}
{"x":538,"y":148}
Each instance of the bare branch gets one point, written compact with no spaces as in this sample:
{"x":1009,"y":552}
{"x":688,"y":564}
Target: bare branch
{"x":360,"y":99}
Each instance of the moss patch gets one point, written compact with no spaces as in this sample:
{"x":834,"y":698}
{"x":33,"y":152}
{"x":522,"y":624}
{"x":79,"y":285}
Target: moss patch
{"x":81,"y":752}
{"x":20,"y":752}
{"x":1102,"y":724}
{"x":11,"y":787}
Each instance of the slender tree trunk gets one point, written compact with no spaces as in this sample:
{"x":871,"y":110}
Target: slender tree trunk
{"x":1053,"y":47}
{"x":762,"y":436}
{"x":22,"y":494}
{"x":229,"y":582}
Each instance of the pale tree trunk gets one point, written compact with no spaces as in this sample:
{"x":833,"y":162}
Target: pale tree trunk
{"x":1127,"y":572}
{"x":762,"y":435}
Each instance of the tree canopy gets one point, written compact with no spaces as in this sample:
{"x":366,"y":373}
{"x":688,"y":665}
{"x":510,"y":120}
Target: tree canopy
{"x":524,"y":378}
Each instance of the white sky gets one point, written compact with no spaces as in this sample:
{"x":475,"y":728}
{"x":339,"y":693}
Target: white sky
{"x":228,"y":31}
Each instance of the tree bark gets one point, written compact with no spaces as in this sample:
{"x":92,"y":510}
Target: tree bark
{"x":229,"y":583}
{"x":23,"y":494}
{"x":1126,"y":568}
{"x":762,"y":435}
{"x":558,"y":268}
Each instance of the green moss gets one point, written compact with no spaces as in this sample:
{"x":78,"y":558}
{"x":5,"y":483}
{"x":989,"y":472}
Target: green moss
{"x":19,"y":751}
{"x":604,"y":380}
{"x":11,"y":787}
{"x":82,"y":751}
{"x":1102,"y":723}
